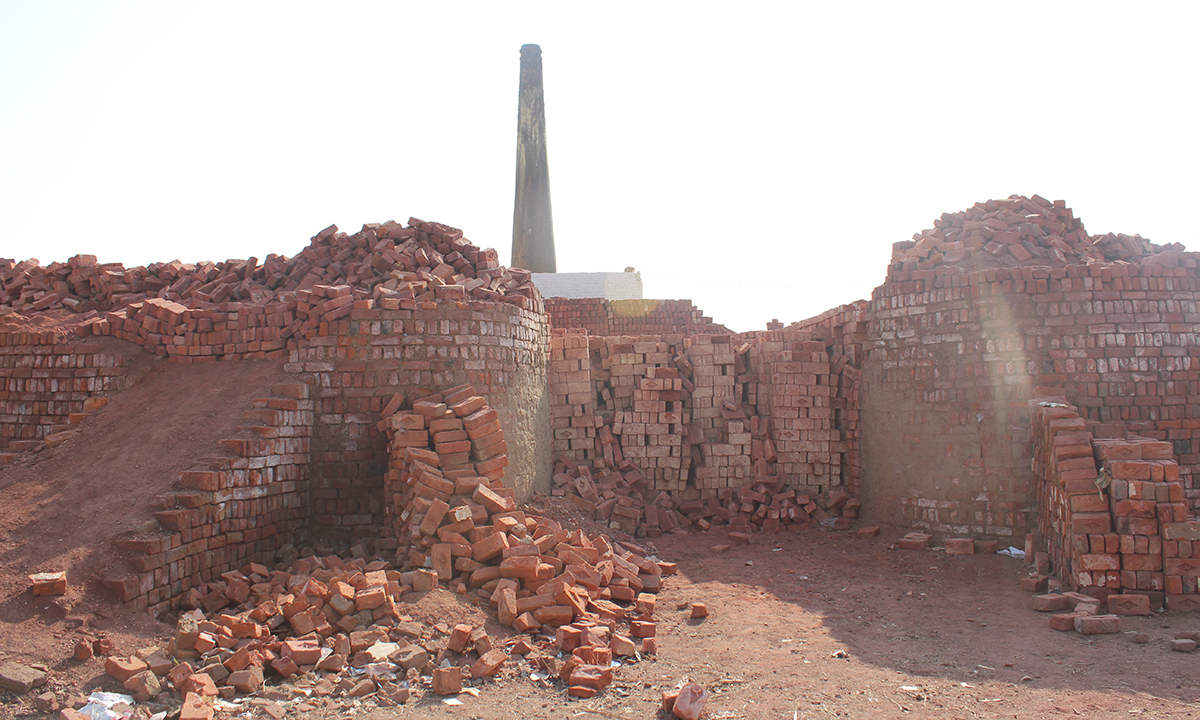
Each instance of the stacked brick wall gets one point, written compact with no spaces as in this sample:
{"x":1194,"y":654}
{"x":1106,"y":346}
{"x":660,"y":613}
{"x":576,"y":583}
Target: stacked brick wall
{"x":706,"y":425}
{"x":48,"y":383}
{"x":234,"y":509}
{"x":357,"y":364}
{"x":629,"y":317}
{"x":954,"y":353}
{"x":1111,"y":516}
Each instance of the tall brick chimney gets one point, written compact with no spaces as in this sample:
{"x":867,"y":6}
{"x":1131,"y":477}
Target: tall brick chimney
{"x":533,"y":227}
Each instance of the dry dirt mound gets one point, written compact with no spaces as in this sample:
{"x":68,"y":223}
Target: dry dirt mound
{"x":61,"y":508}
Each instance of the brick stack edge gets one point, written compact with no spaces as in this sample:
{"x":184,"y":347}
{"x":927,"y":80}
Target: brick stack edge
{"x":601,"y":316}
{"x":1111,"y":514}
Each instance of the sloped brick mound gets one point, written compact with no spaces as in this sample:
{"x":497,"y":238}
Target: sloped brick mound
{"x":61,"y":507}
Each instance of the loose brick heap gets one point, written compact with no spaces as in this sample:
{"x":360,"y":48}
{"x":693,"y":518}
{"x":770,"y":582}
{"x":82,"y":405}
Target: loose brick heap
{"x":1111,"y":514}
{"x":241,"y":309}
{"x":458,"y":524}
{"x":1017,"y":231}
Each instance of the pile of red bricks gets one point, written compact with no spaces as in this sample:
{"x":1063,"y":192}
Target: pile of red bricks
{"x":458,"y":524}
{"x":240,"y":308}
{"x":629,"y":317}
{"x":1015,"y":231}
{"x":1112,"y":517}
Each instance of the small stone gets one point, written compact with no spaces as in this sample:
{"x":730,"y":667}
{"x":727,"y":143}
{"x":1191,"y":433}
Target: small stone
{"x":46,"y":702}
{"x":1140,"y":638}
{"x":19,"y":679}
{"x":143,"y":686}
{"x":123,"y":668}
{"x":83,"y":650}
{"x":699,"y":610}
{"x":447,"y":681}
{"x":689,"y":705}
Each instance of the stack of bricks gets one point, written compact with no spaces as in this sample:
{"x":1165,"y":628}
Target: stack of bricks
{"x":605,"y":318}
{"x":367,"y":357}
{"x":240,"y":309}
{"x":230,"y":330}
{"x":1111,"y":510}
{"x":448,"y":456}
{"x":1072,"y":511}
{"x":381,"y":256}
{"x":239,"y":507}
{"x":1146,"y":497}
{"x":799,"y":403}
{"x":956,"y":348}
{"x":703,"y":418}
{"x":844,"y":330}
{"x":715,"y":368}
{"x":572,"y":398}
{"x":652,"y":433}
{"x":47,"y":387}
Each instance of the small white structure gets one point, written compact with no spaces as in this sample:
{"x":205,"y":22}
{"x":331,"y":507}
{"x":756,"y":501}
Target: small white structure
{"x":610,"y":286}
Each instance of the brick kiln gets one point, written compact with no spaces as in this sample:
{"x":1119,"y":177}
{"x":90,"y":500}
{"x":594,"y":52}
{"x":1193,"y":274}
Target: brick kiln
{"x":646,"y":415}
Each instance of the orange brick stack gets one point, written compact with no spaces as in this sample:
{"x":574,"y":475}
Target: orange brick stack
{"x":572,"y":398}
{"x":801,"y":409}
{"x":447,"y":465}
{"x":1111,"y":509}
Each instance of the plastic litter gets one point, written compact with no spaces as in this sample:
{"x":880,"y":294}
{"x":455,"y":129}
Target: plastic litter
{"x":104,"y":706}
{"x":1012,"y":552}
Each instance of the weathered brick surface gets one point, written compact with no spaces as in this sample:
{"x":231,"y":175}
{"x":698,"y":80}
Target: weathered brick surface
{"x":47,"y":385}
{"x":604,"y":317}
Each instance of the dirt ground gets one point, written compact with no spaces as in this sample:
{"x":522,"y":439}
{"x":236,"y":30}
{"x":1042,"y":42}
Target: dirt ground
{"x":814,"y":624}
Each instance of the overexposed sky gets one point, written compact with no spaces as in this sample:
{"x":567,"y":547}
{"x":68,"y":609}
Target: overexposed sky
{"x":759,"y":159}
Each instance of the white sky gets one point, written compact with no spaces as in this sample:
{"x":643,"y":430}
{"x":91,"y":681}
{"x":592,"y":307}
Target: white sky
{"x":759,"y":159}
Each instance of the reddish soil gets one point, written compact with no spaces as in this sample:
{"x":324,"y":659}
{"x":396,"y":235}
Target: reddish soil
{"x":60,"y":508}
{"x":815,"y":624}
